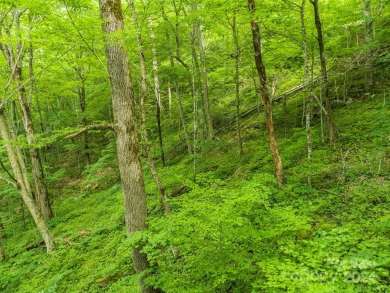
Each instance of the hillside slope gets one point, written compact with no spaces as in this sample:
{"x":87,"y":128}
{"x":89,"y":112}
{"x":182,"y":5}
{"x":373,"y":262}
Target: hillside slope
{"x":233,"y":230}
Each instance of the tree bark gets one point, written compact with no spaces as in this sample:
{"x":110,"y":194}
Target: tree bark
{"x":368,"y":22}
{"x":237,"y":82}
{"x":126,"y":130}
{"x":304,"y":40}
{"x":20,"y":174}
{"x":144,"y":134}
{"x":157,"y":94}
{"x":324,"y":72}
{"x":201,"y":70}
{"x":265,"y":95}
{"x":15,"y":65}
{"x":83,"y":107}
{"x":2,"y":237}
{"x":308,"y":138}
{"x":176,"y":29}
{"x":205,"y":86}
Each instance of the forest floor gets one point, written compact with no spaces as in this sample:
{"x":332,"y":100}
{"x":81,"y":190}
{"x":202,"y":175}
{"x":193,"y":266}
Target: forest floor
{"x":345,"y":211}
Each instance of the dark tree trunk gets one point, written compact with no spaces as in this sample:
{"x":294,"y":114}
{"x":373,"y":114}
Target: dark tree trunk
{"x":83,"y":107}
{"x":324,"y":72}
{"x":368,"y":22}
{"x":265,"y":95}
{"x":237,"y":82}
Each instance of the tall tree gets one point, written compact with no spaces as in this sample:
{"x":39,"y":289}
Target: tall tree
{"x":324,"y":72}
{"x":14,"y":57}
{"x":198,"y":46}
{"x":126,"y":130}
{"x":265,"y":94}
{"x":143,"y":96}
{"x":157,"y":93}
{"x":237,"y":81}
{"x":21,"y":177}
{"x":81,"y":92}
{"x":368,"y":22}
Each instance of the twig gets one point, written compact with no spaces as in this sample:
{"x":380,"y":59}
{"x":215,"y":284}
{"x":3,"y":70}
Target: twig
{"x":2,"y":104}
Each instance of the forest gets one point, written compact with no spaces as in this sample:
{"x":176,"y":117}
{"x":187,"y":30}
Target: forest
{"x":195,"y":146}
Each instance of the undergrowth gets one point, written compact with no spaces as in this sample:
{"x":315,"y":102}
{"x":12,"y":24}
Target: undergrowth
{"x":232,"y":230}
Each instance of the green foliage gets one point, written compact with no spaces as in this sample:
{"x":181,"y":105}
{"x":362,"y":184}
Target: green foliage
{"x":231,"y":229}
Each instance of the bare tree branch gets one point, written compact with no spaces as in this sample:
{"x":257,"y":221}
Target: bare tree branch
{"x":9,"y":182}
{"x":92,"y":127}
{"x":181,"y":61}
{"x":6,"y":171}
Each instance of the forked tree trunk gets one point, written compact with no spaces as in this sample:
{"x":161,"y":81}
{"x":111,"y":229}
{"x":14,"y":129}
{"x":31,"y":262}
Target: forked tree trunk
{"x":265,"y":95}
{"x":20,"y":174}
{"x":324,"y":73}
{"x":14,"y":60}
{"x":41,"y":193}
{"x":126,"y":130}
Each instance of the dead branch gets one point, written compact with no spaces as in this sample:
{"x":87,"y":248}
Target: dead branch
{"x":92,"y":127}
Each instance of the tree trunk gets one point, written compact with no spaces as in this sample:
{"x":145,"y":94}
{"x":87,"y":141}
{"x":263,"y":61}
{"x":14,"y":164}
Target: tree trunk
{"x":178,"y":95}
{"x":20,"y":174}
{"x":201,"y":71}
{"x":205,"y":86}
{"x":324,"y":72}
{"x":41,"y":193}
{"x":83,"y":107}
{"x":265,"y":95}
{"x":237,"y":82}
{"x":157,"y":93}
{"x":308,"y":138}
{"x":144,"y":134}
{"x":14,"y":60}
{"x":2,"y":237}
{"x":126,"y":130}
{"x":368,"y":38}
{"x":182,"y":119}
{"x":304,"y":40}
